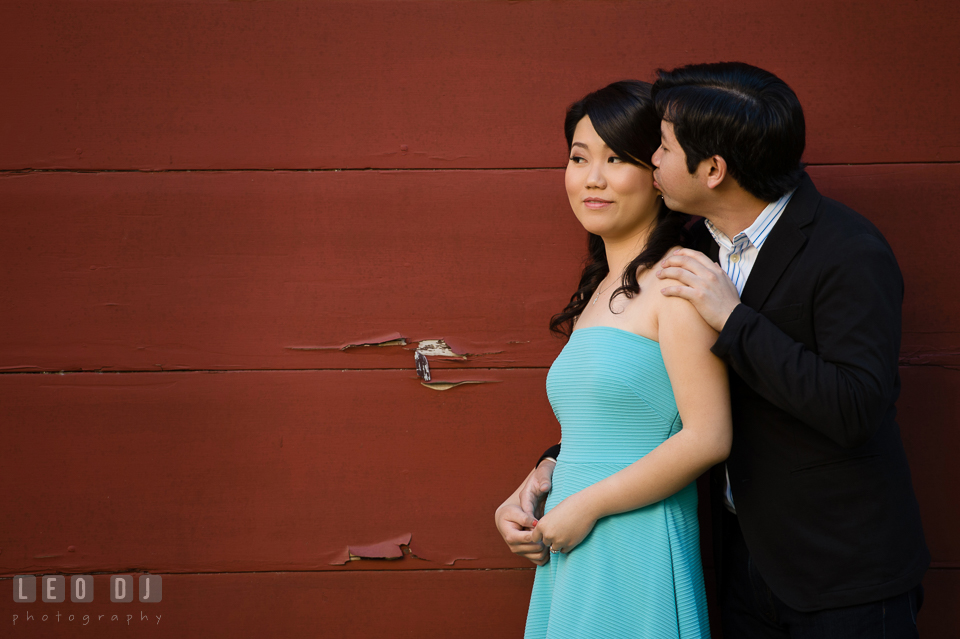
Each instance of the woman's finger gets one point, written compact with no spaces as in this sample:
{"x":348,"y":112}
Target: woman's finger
{"x":527,"y":549}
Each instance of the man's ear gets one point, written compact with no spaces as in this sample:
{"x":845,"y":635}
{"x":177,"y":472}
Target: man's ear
{"x":714,"y":171}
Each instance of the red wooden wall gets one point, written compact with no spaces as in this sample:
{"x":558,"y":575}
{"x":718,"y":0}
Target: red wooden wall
{"x":209,"y":211}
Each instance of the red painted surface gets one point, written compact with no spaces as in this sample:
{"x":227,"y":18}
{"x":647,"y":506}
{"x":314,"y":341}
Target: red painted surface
{"x":928,"y":412}
{"x":214,"y":84}
{"x":233,"y":270}
{"x":939,"y":617}
{"x":263,"y":471}
{"x":239,"y":270}
{"x":245,"y":425}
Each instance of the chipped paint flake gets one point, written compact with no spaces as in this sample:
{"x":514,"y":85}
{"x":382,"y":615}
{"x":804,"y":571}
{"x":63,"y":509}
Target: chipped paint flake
{"x":389,"y":549}
{"x":437,"y":348}
{"x":447,"y":385}
{"x":422,"y":365}
{"x":391,"y":342}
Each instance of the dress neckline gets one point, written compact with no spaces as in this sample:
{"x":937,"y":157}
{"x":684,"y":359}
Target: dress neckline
{"x":619,"y":330}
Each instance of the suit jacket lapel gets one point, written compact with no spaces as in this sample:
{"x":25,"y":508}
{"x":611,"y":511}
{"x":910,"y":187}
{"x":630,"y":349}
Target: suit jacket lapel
{"x":781,"y":245}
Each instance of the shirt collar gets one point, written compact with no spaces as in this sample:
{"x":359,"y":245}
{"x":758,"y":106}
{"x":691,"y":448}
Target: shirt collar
{"x":755,"y":234}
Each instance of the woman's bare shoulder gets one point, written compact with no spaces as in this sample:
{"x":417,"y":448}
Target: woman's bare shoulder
{"x":677,"y":312}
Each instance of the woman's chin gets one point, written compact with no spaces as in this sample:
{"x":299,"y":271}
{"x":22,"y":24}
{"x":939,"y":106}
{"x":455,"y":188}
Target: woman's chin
{"x":598,"y":224}
{"x":602,"y":231}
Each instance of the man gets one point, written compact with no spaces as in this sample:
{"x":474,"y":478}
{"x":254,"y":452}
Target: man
{"x":820,"y":529}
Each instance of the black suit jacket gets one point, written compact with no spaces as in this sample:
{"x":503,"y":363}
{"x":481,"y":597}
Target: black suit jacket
{"x":817,"y":468}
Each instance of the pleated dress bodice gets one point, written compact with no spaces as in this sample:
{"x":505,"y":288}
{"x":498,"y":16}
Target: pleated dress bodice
{"x":638,"y":573}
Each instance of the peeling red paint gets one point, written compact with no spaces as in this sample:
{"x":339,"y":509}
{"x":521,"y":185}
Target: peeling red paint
{"x":389,"y":549}
{"x":439,"y":385}
{"x":460,"y":348}
{"x":390,"y":339}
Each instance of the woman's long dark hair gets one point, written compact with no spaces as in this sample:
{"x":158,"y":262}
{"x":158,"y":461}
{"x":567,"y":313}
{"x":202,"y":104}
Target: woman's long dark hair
{"x":625,"y":117}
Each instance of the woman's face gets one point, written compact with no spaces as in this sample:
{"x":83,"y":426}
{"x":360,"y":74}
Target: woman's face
{"x":611,"y":198}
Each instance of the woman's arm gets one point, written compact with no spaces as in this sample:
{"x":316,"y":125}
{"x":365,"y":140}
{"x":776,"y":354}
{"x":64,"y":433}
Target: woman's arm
{"x":701,"y":389}
{"x":700,"y":386}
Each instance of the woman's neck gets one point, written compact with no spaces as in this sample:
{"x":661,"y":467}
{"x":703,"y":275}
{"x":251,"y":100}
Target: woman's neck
{"x":621,"y":251}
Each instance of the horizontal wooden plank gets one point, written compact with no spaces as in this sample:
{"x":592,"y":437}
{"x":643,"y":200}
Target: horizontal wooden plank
{"x":283,"y":270}
{"x":253,"y":270}
{"x":296,"y":470}
{"x":467,"y":604}
{"x":207,"y":84}
{"x":928,"y":412}
{"x":201,"y":472}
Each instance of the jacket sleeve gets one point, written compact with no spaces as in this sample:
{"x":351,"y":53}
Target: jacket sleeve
{"x":844,"y":387}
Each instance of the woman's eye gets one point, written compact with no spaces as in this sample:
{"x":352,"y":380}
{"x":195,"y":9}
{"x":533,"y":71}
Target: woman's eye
{"x":576,"y":159}
{"x":613,"y":159}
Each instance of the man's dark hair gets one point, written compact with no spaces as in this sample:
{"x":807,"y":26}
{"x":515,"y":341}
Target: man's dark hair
{"x":746,"y":115}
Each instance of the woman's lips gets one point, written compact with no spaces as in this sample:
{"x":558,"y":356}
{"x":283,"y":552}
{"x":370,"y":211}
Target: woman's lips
{"x":596,"y":203}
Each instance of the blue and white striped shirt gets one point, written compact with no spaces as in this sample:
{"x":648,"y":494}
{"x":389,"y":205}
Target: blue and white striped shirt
{"x":737,"y":258}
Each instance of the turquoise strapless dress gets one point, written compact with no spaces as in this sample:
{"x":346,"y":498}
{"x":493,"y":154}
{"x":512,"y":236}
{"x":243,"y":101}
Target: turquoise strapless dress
{"x":637,"y":574}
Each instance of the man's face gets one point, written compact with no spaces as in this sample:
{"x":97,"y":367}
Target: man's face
{"x":681,"y":191}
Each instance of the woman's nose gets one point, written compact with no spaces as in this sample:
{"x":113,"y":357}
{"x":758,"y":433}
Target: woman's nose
{"x":595,"y":176}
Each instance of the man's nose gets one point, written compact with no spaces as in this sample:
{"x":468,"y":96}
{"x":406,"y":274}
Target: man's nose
{"x":656,"y":157}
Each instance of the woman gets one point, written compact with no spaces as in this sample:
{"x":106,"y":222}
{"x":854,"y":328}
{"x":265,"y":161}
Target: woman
{"x":643,"y":405}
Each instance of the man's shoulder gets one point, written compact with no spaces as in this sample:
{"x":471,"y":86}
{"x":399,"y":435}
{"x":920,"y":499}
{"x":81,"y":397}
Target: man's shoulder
{"x":836,"y":226}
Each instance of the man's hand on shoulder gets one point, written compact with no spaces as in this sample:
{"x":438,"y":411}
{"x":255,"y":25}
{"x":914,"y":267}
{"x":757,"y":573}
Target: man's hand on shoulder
{"x":705,"y":285}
